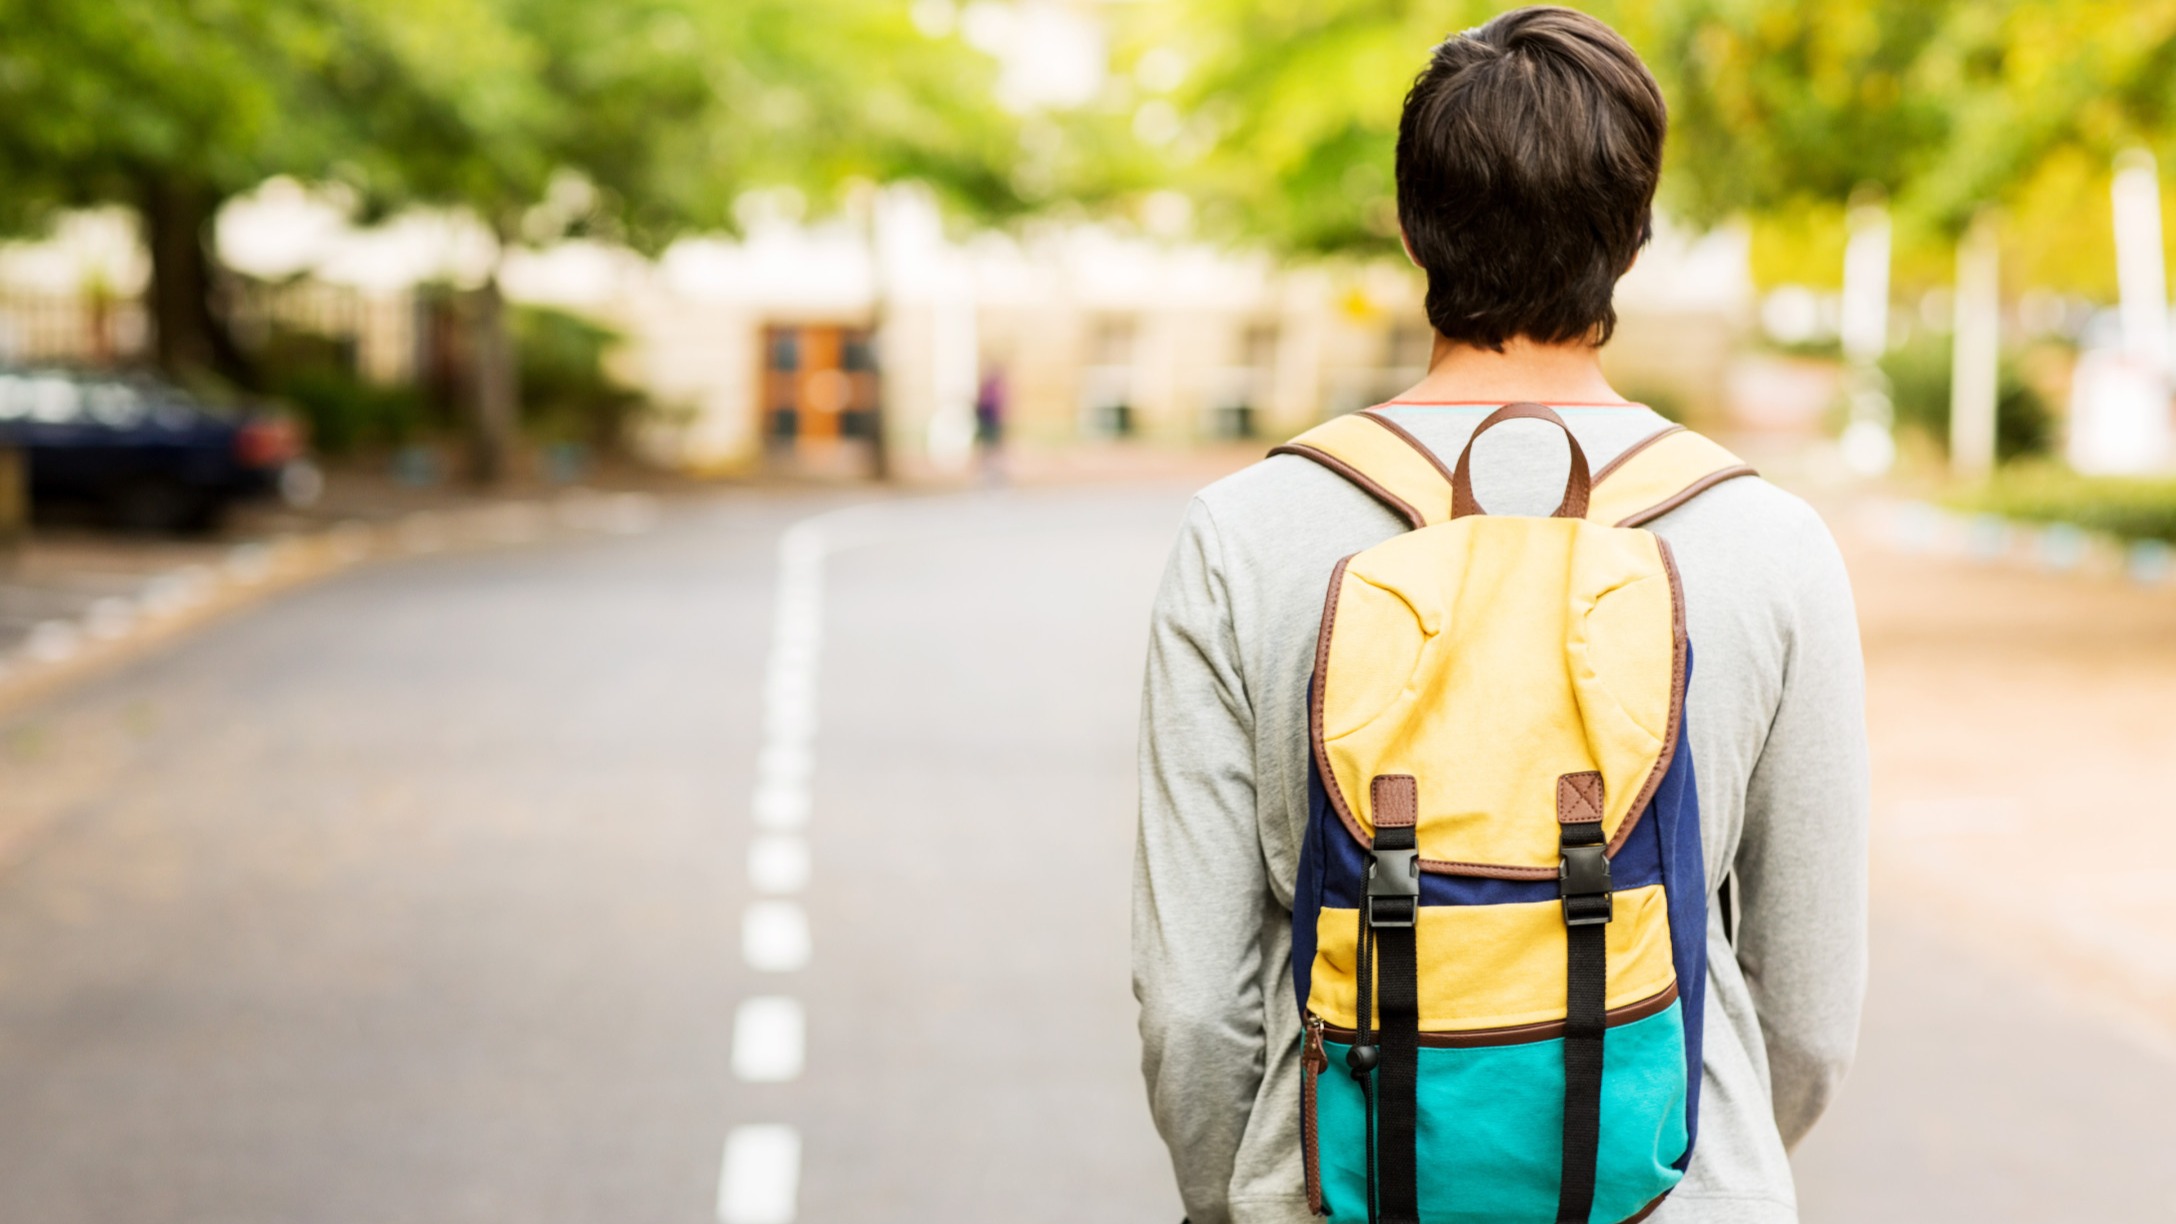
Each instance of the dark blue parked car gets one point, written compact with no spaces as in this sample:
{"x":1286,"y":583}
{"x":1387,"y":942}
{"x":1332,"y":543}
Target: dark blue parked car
{"x":147,"y":455}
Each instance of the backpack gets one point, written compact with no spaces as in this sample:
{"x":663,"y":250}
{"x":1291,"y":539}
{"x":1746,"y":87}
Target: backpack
{"x":1499,"y":929}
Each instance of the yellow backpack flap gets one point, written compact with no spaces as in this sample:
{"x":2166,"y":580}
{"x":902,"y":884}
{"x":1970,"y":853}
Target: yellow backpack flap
{"x":1487,"y":651}
{"x":1656,"y":475}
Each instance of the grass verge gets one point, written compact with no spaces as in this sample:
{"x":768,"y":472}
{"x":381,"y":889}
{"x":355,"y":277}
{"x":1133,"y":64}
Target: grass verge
{"x":2132,"y":508}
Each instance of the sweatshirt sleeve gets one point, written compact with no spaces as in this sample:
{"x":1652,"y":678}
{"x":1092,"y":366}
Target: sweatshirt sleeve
{"x":1802,"y":859}
{"x":1199,"y":881}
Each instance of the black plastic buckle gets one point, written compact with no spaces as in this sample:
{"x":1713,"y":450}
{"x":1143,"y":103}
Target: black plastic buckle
{"x":1583,"y":878}
{"x":1393,"y":877}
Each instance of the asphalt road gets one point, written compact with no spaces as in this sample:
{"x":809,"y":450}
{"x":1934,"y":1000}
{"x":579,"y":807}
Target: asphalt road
{"x":425,"y":895}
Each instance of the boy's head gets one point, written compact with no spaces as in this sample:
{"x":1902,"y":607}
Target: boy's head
{"x":1527,"y":160}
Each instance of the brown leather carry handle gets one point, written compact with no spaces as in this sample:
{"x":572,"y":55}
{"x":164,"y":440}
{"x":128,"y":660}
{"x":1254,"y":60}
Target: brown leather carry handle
{"x":1576,"y":488}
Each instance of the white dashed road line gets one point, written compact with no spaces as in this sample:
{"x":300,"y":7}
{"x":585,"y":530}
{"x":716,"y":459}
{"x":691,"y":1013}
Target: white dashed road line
{"x":774,"y":936}
{"x":768,"y":1039}
{"x":762,"y":1175}
{"x":778,"y":864}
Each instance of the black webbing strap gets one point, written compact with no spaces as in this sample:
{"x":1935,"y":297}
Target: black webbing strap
{"x":1365,"y":1054}
{"x":1393,"y":903}
{"x":1584,"y":879}
{"x":1387,"y":915}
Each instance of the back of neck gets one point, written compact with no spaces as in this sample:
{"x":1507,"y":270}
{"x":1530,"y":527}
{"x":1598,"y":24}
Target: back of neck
{"x":1523,"y":370}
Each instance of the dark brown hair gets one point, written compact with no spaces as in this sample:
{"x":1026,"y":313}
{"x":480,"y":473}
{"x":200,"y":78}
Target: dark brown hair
{"x":1527,"y":160}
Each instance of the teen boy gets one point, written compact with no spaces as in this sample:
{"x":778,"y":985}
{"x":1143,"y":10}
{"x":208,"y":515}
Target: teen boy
{"x":1526,"y":167}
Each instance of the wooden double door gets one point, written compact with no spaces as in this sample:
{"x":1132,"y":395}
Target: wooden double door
{"x":820,"y":387}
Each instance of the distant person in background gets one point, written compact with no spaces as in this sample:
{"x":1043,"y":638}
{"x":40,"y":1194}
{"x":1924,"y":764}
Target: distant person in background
{"x":990,"y":424}
{"x":1527,"y":160}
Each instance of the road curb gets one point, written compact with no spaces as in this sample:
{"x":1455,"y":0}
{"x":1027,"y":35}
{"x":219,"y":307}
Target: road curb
{"x":61,"y":652}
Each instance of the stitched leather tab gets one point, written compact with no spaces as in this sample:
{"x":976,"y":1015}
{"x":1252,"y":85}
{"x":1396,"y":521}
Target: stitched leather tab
{"x":1578,"y":798}
{"x":1395,"y":800}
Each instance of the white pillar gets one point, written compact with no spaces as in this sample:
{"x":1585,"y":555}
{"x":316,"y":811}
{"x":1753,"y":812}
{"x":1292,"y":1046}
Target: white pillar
{"x":1864,"y":327}
{"x":955,"y":376}
{"x":2141,"y":278}
{"x":2119,"y":397}
{"x":1975,"y":352}
{"x":1869,"y":441}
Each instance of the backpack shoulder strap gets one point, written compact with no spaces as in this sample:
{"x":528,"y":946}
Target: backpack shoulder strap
{"x":1656,"y":475}
{"x":1379,"y":457}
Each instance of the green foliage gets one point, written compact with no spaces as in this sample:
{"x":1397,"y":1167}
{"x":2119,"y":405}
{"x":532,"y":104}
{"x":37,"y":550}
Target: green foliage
{"x":568,"y":395}
{"x":343,"y":414}
{"x":1945,"y":108}
{"x":2129,"y":507}
{"x":1919,"y":378}
{"x":640,"y":120}
{"x":1292,"y":108}
{"x":1775,"y":105}
{"x":1778,"y":109}
{"x":636,"y":121}
{"x":95,"y":98}
{"x":667,"y":108}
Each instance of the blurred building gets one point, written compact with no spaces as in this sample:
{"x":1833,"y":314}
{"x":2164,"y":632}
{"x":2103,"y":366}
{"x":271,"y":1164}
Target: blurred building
{"x":1100,"y":334}
{"x":767,"y":343}
{"x":790,"y":346}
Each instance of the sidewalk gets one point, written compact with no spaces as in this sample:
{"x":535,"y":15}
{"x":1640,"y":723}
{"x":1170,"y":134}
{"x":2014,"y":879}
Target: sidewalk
{"x":1985,"y":1092}
{"x":2024,"y":740}
{"x":78,"y":597}
{"x":2020,"y":1038}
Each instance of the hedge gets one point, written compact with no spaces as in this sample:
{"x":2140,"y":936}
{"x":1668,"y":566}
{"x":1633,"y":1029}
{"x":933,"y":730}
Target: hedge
{"x":2134,"y":508}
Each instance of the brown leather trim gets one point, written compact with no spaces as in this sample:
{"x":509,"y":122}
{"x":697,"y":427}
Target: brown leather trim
{"x":1649,"y":1209}
{"x":1578,"y":484}
{"x":1635,"y":449}
{"x":1404,"y":435}
{"x":1366,"y":483}
{"x":1520,"y":1034}
{"x":1394,"y":801}
{"x":1686,"y":494}
{"x":1314,"y":709}
{"x":1490,"y":871}
{"x":1579,"y":798}
{"x":1677,"y":700}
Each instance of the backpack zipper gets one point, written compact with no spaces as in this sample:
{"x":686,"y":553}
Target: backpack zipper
{"x":1314,"y":1060}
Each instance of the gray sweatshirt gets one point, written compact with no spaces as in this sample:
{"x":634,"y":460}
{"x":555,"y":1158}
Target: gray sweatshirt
{"x":1779,"y":747}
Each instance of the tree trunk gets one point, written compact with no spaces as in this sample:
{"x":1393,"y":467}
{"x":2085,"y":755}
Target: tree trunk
{"x":14,"y":500}
{"x":187,"y":321}
{"x":495,"y":386}
{"x":880,"y":442}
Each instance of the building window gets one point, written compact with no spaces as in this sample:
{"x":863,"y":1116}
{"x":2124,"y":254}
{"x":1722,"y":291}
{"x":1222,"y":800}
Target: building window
{"x":1106,"y":408}
{"x":785,"y":354}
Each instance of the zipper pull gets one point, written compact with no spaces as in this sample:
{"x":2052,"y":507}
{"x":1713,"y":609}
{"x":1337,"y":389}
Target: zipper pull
{"x":1312,"y":1055}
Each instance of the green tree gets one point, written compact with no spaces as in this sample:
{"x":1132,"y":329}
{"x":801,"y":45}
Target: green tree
{"x":1946,"y":107}
{"x":1776,"y":107}
{"x":1292,"y":107}
{"x":634,"y":121}
{"x":168,"y":108}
